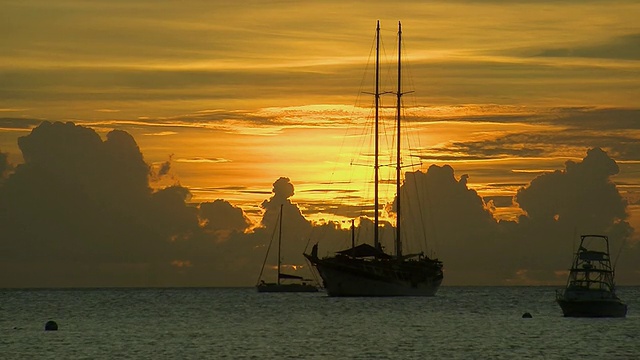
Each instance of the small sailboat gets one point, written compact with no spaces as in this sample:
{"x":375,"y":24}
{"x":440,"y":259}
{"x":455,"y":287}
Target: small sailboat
{"x":590,"y":289}
{"x":367,"y":270}
{"x":284,"y":282}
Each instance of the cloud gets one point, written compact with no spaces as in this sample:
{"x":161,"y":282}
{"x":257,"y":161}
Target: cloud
{"x":18,"y":123}
{"x":221,"y":215}
{"x":203,"y":160}
{"x":576,"y":128}
{"x":165,"y":167}
{"x":626,"y":47}
{"x":78,"y":200}
{"x":4,"y":164}
{"x":292,"y":217}
{"x":557,"y":206}
{"x":80,"y":212}
{"x":581,"y":194}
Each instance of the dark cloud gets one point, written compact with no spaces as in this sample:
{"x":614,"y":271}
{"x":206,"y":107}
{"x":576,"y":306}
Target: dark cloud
{"x":292,"y":216}
{"x":4,"y":164}
{"x":165,"y":167}
{"x":562,"y":205}
{"x":81,"y":203}
{"x":18,"y":123}
{"x":441,"y":213}
{"x":625,"y":146}
{"x":221,"y":215}
{"x":587,"y":118}
{"x":581,"y":194}
{"x":626,"y":47}
{"x":558,"y":206}
{"x":79,"y":212}
{"x":576,"y":128}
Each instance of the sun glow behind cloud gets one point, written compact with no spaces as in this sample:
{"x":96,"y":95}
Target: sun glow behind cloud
{"x":259,"y":86}
{"x":223,"y":98}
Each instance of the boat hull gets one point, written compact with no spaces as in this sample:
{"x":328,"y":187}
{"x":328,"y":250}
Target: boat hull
{"x":341,"y":280}
{"x":593,"y":308}
{"x":286,"y":288}
{"x":591,"y":290}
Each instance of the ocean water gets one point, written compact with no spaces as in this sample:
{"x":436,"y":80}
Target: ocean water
{"x":239,"y":323}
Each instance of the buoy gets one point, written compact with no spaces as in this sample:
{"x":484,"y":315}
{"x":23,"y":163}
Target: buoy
{"x":51,"y":326}
{"x":526,"y":315}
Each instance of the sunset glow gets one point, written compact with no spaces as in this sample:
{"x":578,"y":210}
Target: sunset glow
{"x":225,"y":98}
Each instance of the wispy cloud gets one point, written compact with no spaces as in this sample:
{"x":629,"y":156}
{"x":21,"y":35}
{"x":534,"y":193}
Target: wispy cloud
{"x":626,"y":47}
{"x":203,"y":160}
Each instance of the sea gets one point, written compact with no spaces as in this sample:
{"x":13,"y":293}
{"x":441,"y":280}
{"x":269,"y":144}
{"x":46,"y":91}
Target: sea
{"x":240,"y":323}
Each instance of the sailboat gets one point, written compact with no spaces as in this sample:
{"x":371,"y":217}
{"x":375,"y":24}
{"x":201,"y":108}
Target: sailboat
{"x":284,"y":282}
{"x":590,"y":289}
{"x":366,"y":270}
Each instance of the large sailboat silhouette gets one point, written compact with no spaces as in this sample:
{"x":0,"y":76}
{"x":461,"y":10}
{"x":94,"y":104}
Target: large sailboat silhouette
{"x":366,"y":270}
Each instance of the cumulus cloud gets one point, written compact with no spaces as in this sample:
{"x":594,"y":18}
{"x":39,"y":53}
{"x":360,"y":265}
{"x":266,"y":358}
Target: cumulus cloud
{"x":478,"y":249}
{"x":221,"y":215}
{"x":80,"y":212}
{"x":581,"y":194}
{"x":78,"y":202}
{"x":560,"y":206}
{"x":282,"y":190}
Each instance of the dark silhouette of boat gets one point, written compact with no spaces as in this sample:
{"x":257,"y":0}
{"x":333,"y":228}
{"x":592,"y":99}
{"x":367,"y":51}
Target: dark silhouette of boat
{"x":367,"y":270}
{"x":284,"y":282}
{"x":590,"y":289}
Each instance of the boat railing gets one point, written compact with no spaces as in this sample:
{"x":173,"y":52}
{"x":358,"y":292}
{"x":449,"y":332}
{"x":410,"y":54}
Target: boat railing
{"x":584,"y":294}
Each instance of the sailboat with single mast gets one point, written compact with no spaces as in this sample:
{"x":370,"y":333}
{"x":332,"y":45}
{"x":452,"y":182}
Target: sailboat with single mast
{"x":284,"y":282}
{"x":366,"y":270}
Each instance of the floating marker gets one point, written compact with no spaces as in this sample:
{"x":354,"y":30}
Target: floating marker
{"x":50,"y":326}
{"x":526,"y":315}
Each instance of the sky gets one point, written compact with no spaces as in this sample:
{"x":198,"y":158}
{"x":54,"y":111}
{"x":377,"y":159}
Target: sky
{"x":151,"y":143}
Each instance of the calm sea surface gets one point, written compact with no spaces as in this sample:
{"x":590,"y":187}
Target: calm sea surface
{"x":216,"y":323}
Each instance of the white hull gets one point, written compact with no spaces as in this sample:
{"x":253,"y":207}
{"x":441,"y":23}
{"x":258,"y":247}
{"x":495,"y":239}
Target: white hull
{"x":341,"y":283}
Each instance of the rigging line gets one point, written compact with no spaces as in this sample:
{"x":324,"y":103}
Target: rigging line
{"x":407,"y":69}
{"x":615,"y":263}
{"x":350,"y":125}
{"x":273,"y":235}
{"x":430,"y":217}
{"x":430,"y":220}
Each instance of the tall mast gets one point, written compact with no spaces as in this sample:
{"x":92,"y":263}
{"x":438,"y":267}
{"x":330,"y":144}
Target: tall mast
{"x":279,"y":242}
{"x":376,"y":166}
{"x":398,"y":95}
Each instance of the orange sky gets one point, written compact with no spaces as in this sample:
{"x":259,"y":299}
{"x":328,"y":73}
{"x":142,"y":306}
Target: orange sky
{"x":238,"y":94}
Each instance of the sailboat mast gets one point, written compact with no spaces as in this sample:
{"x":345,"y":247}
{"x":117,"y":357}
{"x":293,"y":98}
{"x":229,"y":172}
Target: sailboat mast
{"x":399,"y":95}
{"x":376,"y":166}
{"x":353,"y":233}
{"x":279,"y":242}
